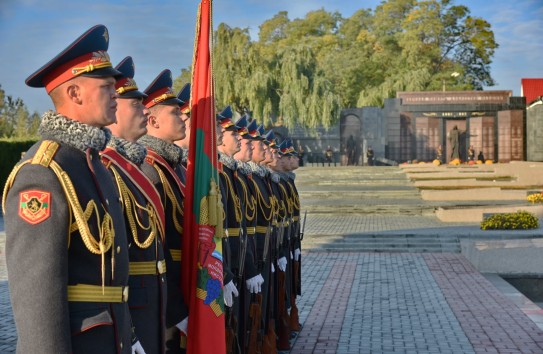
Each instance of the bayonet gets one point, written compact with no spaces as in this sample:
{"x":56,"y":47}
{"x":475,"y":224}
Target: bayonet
{"x":303,"y":226}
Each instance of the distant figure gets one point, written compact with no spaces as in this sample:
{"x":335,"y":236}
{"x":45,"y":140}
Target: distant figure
{"x":471,"y":153}
{"x":329,"y":154}
{"x":301,"y":153}
{"x":351,"y":145}
{"x":453,"y":139}
{"x":370,"y":155}
{"x":439,"y":155}
{"x":481,"y":157}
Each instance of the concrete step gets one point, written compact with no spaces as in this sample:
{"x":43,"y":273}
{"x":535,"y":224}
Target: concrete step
{"x":382,"y":243}
{"x":385,"y":249}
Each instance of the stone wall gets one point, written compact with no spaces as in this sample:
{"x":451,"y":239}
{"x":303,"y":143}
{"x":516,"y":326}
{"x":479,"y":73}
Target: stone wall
{"x":534,"y":131}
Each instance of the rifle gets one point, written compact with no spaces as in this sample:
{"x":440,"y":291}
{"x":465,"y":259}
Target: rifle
{"x":294,"y":314}
{"x":231,"y":324}
{"x":284,"y":331}
{"x":284,"y":321}
{"x":303,"y":227}
{"x":255,"y":313}
{"x":269,"y":343}
{"x":254,"y":337}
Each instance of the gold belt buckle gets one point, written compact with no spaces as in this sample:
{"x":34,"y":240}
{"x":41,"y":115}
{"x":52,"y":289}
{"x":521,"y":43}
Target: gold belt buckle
{"x":160,"y":267}
{"x":125,"y":294}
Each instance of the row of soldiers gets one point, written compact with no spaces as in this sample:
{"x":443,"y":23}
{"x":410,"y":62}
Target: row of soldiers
{"x":94,"y":217}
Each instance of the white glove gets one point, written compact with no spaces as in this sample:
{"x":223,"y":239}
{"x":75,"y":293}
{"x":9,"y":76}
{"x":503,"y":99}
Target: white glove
{"x":183,"y":325}
{"x":229,"y":292}
{"x":252,"y":284}
{"x":260,"y":282}
{"x":282,"y":263}
{"x":297,"y":254}
{"x":291,"y":255}
{"x":137,"y":348}
{"x":273,"y":268}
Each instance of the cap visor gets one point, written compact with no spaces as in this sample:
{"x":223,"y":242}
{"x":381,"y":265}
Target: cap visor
{"x":133,"y":94}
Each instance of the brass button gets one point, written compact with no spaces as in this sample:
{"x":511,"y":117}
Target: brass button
{"x":125,"y":294}
{"x":118,"y":249}
{"x":107,"y":201}
{"x":121,"y":345}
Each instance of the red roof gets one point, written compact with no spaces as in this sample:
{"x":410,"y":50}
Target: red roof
{"x":531,"y":89}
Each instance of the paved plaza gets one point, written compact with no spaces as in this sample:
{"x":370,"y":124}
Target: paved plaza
{"x":382,"y":302}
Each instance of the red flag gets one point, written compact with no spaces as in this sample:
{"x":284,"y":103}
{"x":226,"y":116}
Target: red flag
{"x":202,"y":272}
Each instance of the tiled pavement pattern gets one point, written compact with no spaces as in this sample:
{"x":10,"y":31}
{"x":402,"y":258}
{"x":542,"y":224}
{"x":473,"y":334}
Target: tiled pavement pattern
{"x":381,"y":302}
{"x":8,"y":335}
{"x":492,"y":322}
{"x":406,"y":303}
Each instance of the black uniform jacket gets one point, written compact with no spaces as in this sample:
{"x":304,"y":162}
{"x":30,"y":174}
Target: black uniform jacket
{"x":144,"y":219}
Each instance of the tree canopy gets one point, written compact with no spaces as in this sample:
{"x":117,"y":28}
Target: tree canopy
{"x":15,"y":120}
{"x":306,"y":70}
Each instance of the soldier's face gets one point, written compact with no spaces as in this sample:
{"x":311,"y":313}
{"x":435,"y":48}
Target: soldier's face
{"x":186,"y":140}
{"x":259,"y":153}
{"x":186,"y":119}
{"x":131,"y":119}
{"x":246,"y":151}
{"x":268,"y":155}
{"x":275,"y":163}
{"x":171,"y":125}
{"x":294,"y":163}
{"x":230,"y":143}
{"x":97,"y":100}
{"x":218,"y":133}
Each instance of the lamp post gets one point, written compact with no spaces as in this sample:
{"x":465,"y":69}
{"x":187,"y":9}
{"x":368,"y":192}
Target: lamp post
{"x":454,"y":74}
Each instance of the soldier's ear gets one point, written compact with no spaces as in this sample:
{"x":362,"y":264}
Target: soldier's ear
{"x":153,"y":121}
{"x":73,"y":92}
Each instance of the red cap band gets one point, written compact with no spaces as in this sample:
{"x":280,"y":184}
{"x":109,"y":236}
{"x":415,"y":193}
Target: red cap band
{"x":75,"y":67}
{"x":159,"y":96}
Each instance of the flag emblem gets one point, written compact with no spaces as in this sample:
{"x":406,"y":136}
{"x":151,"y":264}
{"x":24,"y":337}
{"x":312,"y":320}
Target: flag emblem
{"x":34,"y":206}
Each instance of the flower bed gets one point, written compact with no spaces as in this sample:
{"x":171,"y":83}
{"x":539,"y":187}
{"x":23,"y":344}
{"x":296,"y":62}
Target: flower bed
{"x":521,"y":220}
{"x":535,"y":198}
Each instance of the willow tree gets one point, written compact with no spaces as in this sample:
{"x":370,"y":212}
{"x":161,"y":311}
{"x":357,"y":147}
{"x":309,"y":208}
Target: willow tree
{"x":241,"y":78}
{"x":293,"y":52}
{"x":285,"y":82}
{"x":305,"y":70}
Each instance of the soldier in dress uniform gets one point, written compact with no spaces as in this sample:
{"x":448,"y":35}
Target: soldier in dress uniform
{"x":250,"y":325}
{"x":163,"y":166}
{"x":184,"y":97}
{"x":285,"y":212}
{"x":277,"y":253}
{"x":264,"y":235}
{"x":66,"y":243}
{"x":143,"y":211}
{"x":240,"y":260}
{"x":295,"y":237}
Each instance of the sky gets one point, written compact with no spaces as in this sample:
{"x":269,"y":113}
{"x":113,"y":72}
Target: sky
{"x":160,"y":34}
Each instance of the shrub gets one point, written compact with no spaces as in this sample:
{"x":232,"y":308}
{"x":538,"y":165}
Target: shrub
{"x":436,"y":162}
{"x":10,"y":153}
{"x":521,"y":220}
